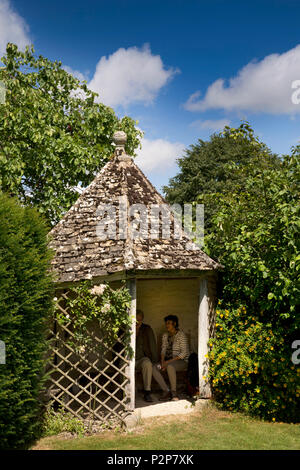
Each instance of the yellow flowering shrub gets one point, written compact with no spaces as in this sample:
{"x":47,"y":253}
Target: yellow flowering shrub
{"x":251,"y":368}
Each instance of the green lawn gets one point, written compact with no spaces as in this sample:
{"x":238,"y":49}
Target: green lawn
{"x":210,"y":429}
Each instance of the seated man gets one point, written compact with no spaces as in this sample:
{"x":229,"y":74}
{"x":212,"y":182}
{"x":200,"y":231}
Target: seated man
{"x":146,"y":355}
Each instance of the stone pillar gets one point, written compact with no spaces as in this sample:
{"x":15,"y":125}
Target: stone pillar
{"x":130,"y":370}
{"x":203,"y":337}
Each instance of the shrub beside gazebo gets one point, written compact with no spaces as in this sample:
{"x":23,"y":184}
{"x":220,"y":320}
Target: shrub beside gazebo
{"x":163,"y":275}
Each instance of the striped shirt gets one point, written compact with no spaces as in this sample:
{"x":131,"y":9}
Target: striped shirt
{"x":180,"y":346}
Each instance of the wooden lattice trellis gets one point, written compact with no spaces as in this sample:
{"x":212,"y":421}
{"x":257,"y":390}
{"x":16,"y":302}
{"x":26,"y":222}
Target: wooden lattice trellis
{"x":93,"y":383}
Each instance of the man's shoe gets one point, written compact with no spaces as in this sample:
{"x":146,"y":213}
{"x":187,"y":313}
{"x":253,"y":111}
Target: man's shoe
{"x":147,"y":397}
{"x":165,"y":396}
{"x":174,"y":396}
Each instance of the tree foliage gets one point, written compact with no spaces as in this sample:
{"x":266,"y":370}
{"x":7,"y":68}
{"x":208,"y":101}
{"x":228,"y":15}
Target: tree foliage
{"x":204,"y":167}
{"x":255,"y":236}
{"x":53,"y":134}
{"x":25,"y":305}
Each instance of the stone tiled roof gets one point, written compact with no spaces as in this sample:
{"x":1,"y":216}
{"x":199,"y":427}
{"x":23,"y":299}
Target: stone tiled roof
{"x":81,"y":254}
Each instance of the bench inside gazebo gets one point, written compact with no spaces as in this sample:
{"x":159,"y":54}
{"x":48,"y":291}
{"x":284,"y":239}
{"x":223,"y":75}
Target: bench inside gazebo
{"x":165,"y":275}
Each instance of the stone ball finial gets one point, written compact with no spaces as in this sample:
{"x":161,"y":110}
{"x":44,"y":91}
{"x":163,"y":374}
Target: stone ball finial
{"x":120,"y":138}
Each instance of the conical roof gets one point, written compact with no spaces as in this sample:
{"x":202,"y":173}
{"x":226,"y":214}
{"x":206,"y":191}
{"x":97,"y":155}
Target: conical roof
{"x":80,"y":253}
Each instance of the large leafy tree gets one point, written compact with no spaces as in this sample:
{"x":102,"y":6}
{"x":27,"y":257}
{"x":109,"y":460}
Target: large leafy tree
{"x":252,"y":199}
{"x":204,"y":167}
{"x":255,"y":235}
{"x":54,"y":136}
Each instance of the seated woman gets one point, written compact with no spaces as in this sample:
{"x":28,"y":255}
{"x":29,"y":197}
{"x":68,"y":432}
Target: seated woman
{"x":174,"y":352}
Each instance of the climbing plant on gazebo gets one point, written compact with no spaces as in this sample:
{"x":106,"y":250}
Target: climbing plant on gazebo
{"x":100,"y":304}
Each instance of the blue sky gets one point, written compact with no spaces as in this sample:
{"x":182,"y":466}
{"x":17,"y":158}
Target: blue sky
{"x":182,"y":68}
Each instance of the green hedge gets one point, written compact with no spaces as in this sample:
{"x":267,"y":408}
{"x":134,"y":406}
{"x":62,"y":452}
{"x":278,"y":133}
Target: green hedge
{"x":25,"y":303}
{"x":256,"y":238}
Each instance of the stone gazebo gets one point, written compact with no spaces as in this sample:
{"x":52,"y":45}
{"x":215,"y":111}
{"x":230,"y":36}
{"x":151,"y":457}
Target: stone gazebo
{"x":164,"y":276}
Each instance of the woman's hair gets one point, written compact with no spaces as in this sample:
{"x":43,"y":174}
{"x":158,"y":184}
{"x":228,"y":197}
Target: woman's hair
{"x":172,"y":318}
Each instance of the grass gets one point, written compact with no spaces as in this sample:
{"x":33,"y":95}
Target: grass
{"x":206,"y":430}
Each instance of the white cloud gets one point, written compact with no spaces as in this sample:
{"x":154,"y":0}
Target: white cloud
{"x":212,"y":125}
{"x":158,"y":155}
{"x":263,"y":86}
{"x":76,"y":73}
{"x":129,"y":76}
{"x":13,"y":27}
